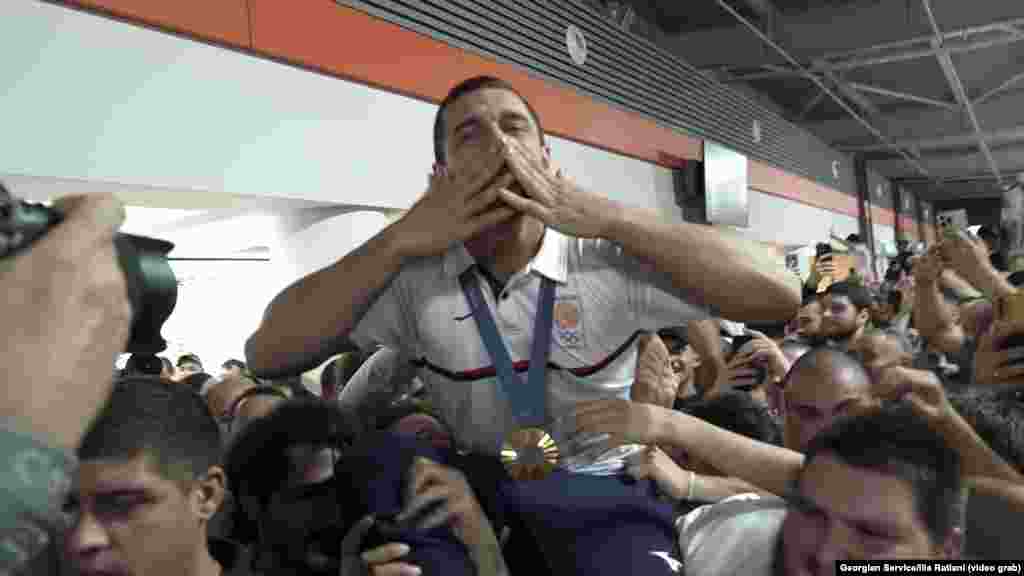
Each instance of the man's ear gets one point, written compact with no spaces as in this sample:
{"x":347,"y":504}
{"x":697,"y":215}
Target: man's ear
{"x":863,"y":317}
{"x":209,"y":492}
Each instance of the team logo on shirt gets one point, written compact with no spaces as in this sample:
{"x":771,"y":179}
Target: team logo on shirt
{"x":568,"y":317}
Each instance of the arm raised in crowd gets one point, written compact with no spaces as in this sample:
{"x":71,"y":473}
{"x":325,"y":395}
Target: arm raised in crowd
{"x":716,"y":268}
{"x":305,"y":324}
{"x":769,"y":467}
{"x":924,"y":392}
{"x":933,"y":317}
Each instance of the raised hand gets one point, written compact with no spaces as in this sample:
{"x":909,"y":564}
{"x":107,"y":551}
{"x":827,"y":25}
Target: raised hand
{"x":623,"y":422}
{"x":928,"y":267}
{"x":996,"y":361}
{"x":456,"y":207}
{"x":655,"y":381}
{"x":966,"y":255}
{"x":920,"y":388}
{"x":551,"y":197}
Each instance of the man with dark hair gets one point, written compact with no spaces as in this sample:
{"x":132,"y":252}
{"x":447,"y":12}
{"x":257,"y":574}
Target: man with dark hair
{"x":846,"y":309}
{"x":880,"y":485}
{"x":148,"y":484}
{"x":234,"y":367}
{"x":188,"y":364}
{"x":808,"y":320}
{"x":997,"y":415}
{"x":499,"y":232}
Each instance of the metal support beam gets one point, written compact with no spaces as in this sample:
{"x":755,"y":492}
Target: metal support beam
{"x":821,"y":84}
{"x":1016,"y":78}
{"x":955,"y":42}
{"x":946,"y":61}
{"x":854,"y":96}
{"x":995,"y":138}
{"x":903,"y":96}
{"x":811,"y":104}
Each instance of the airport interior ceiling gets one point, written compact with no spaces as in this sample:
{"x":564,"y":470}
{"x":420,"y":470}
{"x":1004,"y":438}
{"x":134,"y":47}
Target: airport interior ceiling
{"x":928,"y":91}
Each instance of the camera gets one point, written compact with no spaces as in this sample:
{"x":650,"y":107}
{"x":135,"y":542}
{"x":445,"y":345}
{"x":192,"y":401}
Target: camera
{"x":152,"y":287}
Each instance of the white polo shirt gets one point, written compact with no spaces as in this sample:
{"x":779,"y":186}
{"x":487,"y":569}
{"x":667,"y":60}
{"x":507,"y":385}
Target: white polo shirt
{"x":602,"y":298}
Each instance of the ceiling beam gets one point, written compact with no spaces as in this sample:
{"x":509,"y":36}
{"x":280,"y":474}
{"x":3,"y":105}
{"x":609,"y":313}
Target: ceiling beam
{"x":1016,"y":78}
{"x":954,"y":42}
{"x":904,"y":96}
{"x":824,"y":87}
{"x":956,"y":85}
{"x":995,"y":137}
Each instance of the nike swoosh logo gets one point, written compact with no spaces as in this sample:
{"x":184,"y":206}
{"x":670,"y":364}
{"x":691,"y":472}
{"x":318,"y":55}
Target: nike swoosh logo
{"x":674,"y":565}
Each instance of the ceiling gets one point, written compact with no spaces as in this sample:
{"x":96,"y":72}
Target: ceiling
{"x":931,"y":92}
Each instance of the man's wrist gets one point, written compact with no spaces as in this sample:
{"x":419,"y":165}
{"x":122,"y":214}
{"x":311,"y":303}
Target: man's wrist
{"x":614,"y":219}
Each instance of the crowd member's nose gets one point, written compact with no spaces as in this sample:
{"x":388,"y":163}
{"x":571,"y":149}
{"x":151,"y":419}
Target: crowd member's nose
{"x":87,"y":542}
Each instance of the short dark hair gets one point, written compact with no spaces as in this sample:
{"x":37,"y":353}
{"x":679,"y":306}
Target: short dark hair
{"x":736,"y":412}
{"x":858,"y":294}
{"x":166,"y":362}
{"x":257,"y":461}
{"x":461,"y":89}
{"x":163,"y":420}
{"x":234,"y":363}
{"x":184,"y":358}
{"x":895,"y":440}
{"x":998,"y":417}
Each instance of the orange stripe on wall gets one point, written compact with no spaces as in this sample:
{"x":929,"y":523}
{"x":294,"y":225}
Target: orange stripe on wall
{"x":771,"y":180}
{"x":341,"y":41}
{"x":221,"y":21}
{"x":354,"y":45}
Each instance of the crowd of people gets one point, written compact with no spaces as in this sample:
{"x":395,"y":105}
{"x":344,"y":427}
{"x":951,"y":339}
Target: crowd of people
{"x":704,"y":409}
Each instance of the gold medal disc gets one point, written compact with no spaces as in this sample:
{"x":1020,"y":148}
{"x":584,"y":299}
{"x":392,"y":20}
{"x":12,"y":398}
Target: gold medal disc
{"x":529,"y":454}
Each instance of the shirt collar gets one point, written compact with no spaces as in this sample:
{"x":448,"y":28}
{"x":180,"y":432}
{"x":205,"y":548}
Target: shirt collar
{"x":552,"y":260}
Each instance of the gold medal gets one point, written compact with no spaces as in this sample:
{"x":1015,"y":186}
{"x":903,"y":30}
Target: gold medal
{"x":529,"y":454}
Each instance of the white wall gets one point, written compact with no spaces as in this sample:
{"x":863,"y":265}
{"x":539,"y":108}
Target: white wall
{"x":83,"y":97}
{"x":782,"y":221}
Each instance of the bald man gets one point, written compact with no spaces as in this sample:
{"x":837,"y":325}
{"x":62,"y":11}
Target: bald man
{"x":822,"y":385}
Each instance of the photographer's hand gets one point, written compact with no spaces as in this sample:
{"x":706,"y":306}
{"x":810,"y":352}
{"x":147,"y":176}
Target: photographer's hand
{"x":66,"y":316}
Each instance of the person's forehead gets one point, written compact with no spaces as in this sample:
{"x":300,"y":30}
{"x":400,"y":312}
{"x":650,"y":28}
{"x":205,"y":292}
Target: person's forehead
{"x":107,"y":475}
{"x":825,"y":383}
{"x":856,"y":494}
{"x":488,"y":103}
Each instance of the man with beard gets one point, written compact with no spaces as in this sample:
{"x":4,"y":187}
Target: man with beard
{"x":808,"y":321}
{"x":846,"y":309}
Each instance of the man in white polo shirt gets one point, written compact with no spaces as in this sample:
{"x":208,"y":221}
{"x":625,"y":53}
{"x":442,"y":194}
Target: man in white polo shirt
{"x":498,"y":214}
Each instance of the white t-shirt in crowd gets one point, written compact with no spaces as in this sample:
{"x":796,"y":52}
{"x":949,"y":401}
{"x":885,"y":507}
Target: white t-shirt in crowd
{"x":602,"y":298}
{"x":735,"y":536}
